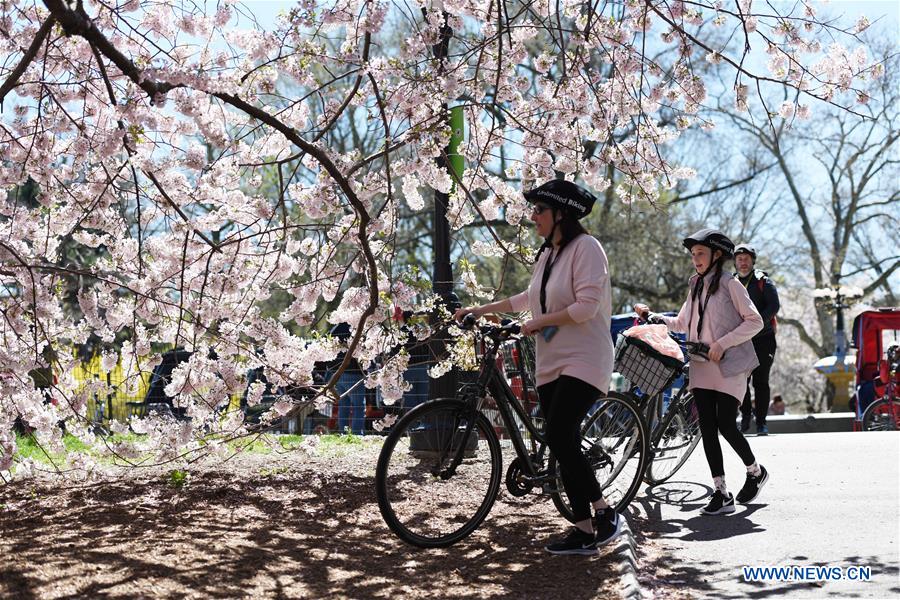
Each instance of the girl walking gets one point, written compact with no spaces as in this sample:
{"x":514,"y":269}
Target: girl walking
{"x":719,"y":313}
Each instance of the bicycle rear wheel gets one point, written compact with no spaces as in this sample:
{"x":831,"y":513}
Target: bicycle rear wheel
{"x":421,"y":500}
{"x":675,"y":439}
{"x":882,"y":415}
{"x":615,"y":441}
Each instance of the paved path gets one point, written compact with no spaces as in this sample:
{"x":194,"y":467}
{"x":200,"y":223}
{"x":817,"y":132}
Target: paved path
{"x":833,"y":499}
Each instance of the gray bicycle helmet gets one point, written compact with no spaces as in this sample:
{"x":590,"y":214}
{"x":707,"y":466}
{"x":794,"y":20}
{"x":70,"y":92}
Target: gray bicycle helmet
{"x":745,"y":249}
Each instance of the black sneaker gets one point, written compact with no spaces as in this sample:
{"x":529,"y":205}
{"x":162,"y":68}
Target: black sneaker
{"x":745,"y":423}
{"x":575,"y":542}
{"x":752,"y":486}
{"x":719,"y":505}
{"x":608,"y":525}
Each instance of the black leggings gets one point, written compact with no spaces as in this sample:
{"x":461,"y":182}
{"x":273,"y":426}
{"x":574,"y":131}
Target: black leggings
{"x":565,"y":402}
{"x":718,"y":412}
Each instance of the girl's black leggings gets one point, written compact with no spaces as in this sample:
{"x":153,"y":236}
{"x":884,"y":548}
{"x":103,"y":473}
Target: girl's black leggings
{"x":565,"y":402}
{"x":718,"y":413}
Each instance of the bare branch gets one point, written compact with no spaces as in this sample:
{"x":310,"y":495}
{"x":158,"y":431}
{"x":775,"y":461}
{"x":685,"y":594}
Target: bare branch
{"x":27,"y":57}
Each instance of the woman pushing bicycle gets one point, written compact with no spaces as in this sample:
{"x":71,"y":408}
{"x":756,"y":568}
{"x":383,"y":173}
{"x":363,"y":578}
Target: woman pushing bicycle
{"x":718,"y":313}
{"x":569,"y":298}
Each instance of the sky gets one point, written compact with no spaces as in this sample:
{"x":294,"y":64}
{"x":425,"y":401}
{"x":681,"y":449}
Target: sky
{"x":889,"y":10}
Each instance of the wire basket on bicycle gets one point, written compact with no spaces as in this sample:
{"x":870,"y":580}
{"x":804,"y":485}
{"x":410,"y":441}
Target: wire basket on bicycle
{"x":644,"y":367}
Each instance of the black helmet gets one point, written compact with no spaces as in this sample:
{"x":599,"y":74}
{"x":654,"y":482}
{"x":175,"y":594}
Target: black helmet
{"x":745,"y":249}
{"x":564,"y":195}
{"x":711,"y":238}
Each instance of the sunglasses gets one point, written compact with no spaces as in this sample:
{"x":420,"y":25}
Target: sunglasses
{"x":537,"y":209}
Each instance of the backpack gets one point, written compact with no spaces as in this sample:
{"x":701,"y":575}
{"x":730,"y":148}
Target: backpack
{"x":761,"y":277}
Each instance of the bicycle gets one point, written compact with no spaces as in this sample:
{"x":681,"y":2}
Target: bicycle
{"x":675,"y":435}
{"x":675,"y":431}
{"x":884,"y":413}
{"x":439,"y":471}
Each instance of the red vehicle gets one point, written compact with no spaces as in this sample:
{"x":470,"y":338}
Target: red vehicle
{"x":876,"y":337}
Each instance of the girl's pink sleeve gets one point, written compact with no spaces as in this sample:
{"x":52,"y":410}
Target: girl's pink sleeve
{"x":678,"y":324}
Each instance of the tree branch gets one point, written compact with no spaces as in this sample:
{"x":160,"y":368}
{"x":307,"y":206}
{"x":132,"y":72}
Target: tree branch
{"x":79,"y":23}
{"x":27,"y":57}
{"x":721,"y":188}
{"x":819,"y":349}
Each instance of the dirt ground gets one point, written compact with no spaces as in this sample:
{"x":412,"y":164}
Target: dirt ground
{"x":292,"y":525}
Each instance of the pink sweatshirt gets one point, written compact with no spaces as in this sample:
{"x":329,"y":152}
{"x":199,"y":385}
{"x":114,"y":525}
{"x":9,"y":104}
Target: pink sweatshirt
{"x":706,"y":375}
{"x":579,"y":283}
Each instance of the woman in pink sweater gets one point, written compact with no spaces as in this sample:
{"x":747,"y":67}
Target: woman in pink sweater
{"x":570,"y":302}
{"x":719,"y":313}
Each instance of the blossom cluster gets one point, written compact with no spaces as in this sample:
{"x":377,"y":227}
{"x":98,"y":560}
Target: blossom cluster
{"x":174,"y":174}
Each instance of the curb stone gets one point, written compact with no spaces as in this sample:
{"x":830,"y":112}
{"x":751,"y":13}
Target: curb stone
{"x":625,"y":555}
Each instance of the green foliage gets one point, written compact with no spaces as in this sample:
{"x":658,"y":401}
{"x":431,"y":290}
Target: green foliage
{"x":347,"y":438}
{"x":263,"y":443}
{"x":28,"y":447}
{"x":177,"y":478}
{"x":268,"y":472}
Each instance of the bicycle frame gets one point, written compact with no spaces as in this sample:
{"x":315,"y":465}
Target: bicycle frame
{"x":652,"y":407}
{"x":490,"y":380}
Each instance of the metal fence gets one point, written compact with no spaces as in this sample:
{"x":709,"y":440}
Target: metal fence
{"x":117,"y":395}
{"x":107,"y":392}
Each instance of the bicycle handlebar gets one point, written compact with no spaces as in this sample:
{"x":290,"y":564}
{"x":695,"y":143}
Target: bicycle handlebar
{"x":504,"y":331}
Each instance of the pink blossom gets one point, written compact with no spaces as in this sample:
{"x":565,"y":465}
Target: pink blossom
{"x":214,"y":226}
{"x":786,"y":110}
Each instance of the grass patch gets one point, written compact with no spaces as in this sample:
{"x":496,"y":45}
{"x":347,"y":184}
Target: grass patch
{"x":337,"y":439}
{"x":28,"y":447}
{"x":268,"y":472}
{"x":177,"y":478}
{"x":329,"y":445}
{"x":290,"y":441}
{"x":344,"y":445}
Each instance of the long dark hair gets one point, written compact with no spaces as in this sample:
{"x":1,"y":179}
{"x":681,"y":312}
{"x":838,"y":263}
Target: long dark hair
{"x":717,"y":275}
{"x":569,"y":229}
{"x":697,"y":291}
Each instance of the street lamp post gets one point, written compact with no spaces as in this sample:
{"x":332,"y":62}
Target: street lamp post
{"x":442,"y":274}
{"x":839,"y":369}
{"x":837,"y":299}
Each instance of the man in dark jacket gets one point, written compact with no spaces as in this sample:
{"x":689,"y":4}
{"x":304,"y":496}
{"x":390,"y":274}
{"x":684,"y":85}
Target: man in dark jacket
{"x":765,"y":297}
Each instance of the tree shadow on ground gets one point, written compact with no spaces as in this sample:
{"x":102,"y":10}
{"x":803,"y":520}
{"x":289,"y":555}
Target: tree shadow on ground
{"x":294,"y":535}
{"x":678,"y":579}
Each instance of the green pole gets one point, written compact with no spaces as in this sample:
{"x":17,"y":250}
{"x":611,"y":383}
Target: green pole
{"x":457,"y":136}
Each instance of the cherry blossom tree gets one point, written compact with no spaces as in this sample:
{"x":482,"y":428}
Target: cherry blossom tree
{"x":154,"y":128}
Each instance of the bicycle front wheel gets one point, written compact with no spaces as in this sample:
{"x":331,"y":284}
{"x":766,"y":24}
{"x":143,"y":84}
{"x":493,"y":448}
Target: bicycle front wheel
{"x":423,"y":499}
{"x":615,"y":442}
{"x":675,"y":440}
{"x":882,"y":415}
